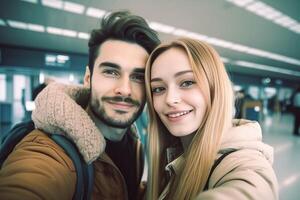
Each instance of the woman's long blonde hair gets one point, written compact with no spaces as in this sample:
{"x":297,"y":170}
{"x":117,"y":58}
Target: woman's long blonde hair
{"x":216,"y":87}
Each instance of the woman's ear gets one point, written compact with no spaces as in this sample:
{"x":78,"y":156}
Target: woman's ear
{"x":87,"y":77}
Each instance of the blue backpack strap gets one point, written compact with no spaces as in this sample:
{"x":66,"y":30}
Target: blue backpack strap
{"x":88,"y":180}
{"x":216,"y":163}
{"x":10,"y":139}
{"x":84,"y":172}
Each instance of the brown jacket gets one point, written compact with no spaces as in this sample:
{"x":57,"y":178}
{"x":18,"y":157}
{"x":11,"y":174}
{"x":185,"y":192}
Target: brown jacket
{"x":40,"y":169}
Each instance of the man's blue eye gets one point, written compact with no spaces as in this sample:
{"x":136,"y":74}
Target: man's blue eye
{"x":138,"y":78}
{"x":110,"y":72}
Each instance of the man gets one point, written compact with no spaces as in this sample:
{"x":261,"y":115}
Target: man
{"x":39,"y":169}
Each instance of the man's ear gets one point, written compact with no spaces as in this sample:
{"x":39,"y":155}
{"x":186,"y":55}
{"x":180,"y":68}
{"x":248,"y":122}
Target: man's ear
{"x":87,"y":77}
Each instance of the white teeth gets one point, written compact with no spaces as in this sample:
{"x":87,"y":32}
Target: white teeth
{"x":178,"y":114}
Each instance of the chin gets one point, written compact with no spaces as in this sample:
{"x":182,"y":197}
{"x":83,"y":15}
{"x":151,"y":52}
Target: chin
{"x":179,"y":134}
{"x":182,"y":133}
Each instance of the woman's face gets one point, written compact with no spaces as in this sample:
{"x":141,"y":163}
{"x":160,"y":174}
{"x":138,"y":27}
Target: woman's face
{"x":177,"y":98}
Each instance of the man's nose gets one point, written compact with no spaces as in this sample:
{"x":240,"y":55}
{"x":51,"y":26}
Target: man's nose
{"x":123,"y":88}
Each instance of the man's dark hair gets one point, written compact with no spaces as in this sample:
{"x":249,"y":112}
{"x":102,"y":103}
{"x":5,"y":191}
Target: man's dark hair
{"x":122,"y":26}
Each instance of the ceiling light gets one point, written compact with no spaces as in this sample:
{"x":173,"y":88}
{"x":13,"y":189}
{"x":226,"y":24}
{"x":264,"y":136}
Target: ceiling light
{"x":273,"y":14}
{"x":53,"y":30}
{"x":73,"y":7}
{"x":241,"y":3}
{"x":285,"y":21}
{"x":63,"y":57}
{"x":94,"y":12}
{"x":63,"y":32}
{"x":180,"y":32}
{"x":266,"y":68}
{"x":290,"y":60}
{"x":2,"y":22}
{"x":31,"y":1}
{"x":255,"y":6}
{"x":231,"y":45}
{"x":53,"y":3}
{"x":17,"y":24}
{"x":219,"y":42}
{"x":61,"y":60}
{"x":82,"y":35}
{"x":257,"y":52}
{"x":225,"y":60}
{"x":240,"y":48}
{"x":295,"y":28}
{"x":161,"y":27}
{"x":264,"y":11}
{"x":261,"y":9}
{"x":69,"y":33}
{"x":197,"y":36}
{"x":36,"y":27}
{"x":50,"y":58}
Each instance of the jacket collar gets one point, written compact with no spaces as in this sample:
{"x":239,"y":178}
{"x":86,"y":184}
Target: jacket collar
{"x":59,"y":110}
{"x":243,"y":134}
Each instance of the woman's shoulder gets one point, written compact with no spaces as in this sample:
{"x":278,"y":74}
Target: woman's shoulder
{"x":244,"y":171}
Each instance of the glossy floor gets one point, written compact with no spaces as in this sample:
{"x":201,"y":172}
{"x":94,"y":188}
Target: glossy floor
{"x":277,"y":131}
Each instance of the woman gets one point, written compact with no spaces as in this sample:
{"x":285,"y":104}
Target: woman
{"x":190,"y":99}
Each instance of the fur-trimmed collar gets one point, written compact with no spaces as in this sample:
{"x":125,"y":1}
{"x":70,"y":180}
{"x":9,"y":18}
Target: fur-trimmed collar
{"x":59,"y":110}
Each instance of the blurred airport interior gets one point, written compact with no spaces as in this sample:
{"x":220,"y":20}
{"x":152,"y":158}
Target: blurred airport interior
{"x":259,"y":41}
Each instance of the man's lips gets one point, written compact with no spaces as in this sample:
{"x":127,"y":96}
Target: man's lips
{"x":121,"y":105}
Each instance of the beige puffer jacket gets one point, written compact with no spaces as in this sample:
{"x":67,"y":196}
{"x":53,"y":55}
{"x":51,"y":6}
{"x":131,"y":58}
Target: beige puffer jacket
{"x":245,"y":174}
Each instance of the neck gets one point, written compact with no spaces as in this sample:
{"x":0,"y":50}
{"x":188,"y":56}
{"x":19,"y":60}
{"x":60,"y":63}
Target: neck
{"x":186,"y":141}
{"x":109,"y":132}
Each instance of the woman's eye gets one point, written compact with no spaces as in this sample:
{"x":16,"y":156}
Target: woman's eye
{"x":187,"y":83}
{"x":157,"y":90}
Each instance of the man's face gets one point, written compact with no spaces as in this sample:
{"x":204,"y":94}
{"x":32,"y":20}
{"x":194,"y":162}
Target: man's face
{"x":117,"y":83}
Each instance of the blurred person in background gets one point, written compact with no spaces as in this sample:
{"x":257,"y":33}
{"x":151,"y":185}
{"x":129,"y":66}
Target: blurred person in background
{"x":296,"y":111}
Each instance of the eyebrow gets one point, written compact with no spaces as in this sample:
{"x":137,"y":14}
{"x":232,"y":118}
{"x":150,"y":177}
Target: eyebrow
{"x":183,"y":72}
{"x":139,"y":70}
{"x":109,"y":64}
{"x":176,"y":75}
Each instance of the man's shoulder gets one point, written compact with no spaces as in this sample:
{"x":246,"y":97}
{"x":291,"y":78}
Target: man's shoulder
{"x":39,"y":144}
{"x":37,"y":136}
{"x":26,"y":170}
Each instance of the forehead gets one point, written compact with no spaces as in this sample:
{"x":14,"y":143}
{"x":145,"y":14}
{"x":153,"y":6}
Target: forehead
{"x":170,"y":62}
{"x":124,"y":54}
